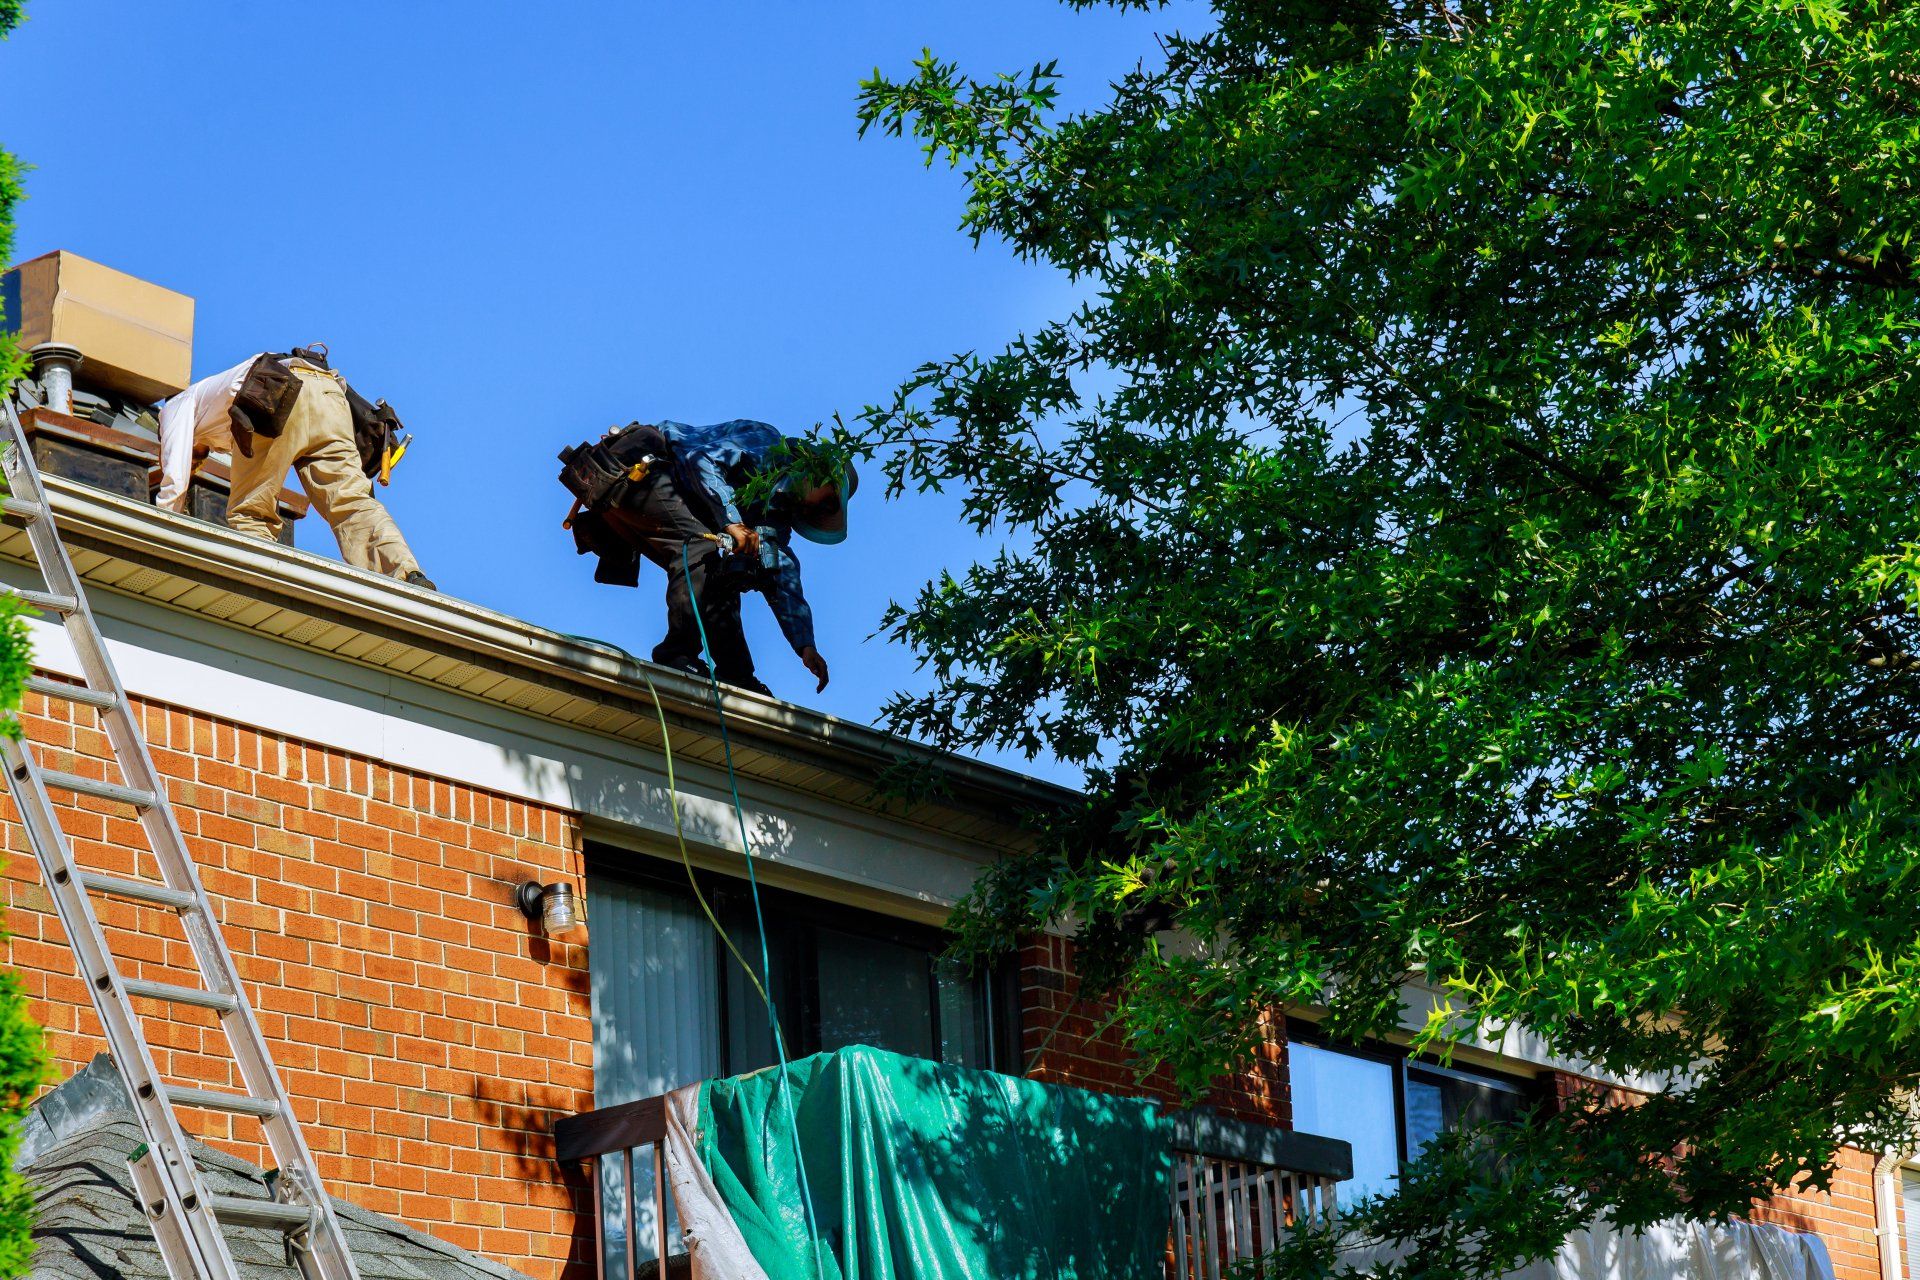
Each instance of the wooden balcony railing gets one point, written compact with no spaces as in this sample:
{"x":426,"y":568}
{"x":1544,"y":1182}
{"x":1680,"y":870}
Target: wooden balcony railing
{"x":625,"y":1148}
{"x":1237,"y":1188}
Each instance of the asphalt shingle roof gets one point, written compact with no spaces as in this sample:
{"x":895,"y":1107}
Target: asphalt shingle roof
{"x":90,"y":1227}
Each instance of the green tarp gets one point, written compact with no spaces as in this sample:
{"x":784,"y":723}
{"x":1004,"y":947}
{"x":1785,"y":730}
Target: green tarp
{"x":920,"y":1171}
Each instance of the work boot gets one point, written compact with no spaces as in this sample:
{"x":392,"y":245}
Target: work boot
{"x":415,"y":578}
{"x":749,"y":683}
{"x":694,"y":667}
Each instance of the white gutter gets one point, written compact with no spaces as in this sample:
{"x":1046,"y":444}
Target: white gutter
{"x":1886,"y":1213}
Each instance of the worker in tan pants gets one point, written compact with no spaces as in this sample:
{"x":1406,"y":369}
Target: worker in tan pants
{"x":317,"y":442}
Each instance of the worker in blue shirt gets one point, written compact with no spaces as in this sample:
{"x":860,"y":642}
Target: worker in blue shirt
{"x":672,"y":518}
{"x":725,"y":458}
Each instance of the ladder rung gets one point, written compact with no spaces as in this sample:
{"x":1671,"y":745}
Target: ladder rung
{"x":42,"y":600}
{"x":181,"y":995}
{"x":236,"y":1211}
{"x":93,"y":787}
{"x":21,"y":508}
{"x":239,"y":1104}
{"x":71,"y":692}
{"x":139,"y":890}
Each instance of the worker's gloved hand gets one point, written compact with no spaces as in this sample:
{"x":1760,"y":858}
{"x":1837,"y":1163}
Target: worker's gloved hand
{"x":745,"y":540}
{"x":816,"y":664}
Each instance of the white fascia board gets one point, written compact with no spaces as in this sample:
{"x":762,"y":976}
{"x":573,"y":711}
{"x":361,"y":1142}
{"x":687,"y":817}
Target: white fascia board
{"x":1511,"y":1044}
{"x":189,"y":661}
{"x":1515,"y":1049}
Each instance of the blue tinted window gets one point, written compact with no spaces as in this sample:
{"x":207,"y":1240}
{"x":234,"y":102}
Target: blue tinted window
{"x":1341,"y":1095}
{"x":1439,"y":1101}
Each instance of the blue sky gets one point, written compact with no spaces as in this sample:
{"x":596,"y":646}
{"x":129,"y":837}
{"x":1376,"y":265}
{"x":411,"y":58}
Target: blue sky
{"x":522,"y":224}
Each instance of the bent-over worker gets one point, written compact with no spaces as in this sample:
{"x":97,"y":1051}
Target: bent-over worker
{"x":674,"y":517}
{"x":724,"y":459}
{"x":275,"y":413}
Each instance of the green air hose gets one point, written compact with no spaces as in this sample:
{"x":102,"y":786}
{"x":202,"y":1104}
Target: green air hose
{"x":686,"y":859}
{"x":759,"y":917}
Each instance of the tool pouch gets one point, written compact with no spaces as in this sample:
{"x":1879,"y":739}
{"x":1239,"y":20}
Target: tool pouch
{"x":591,"y":473}
{"x":263,"y":402}
{"x":600,"y":473}
{"x":619,"y":560}
{"x":376,"y":428}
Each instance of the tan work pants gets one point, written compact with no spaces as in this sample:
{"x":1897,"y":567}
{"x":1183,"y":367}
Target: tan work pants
{"x":318,"y":444}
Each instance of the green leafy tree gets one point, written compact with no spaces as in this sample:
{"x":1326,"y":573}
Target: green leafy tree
{"x":22,"y":1060}
{"x":1471,"y":530}
{"x":12,"y":362}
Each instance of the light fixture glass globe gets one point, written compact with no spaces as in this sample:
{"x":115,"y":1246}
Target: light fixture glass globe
{"x":559,"y":912}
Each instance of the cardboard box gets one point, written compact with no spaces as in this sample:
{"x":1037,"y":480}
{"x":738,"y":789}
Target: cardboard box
{"x":137,"y":338}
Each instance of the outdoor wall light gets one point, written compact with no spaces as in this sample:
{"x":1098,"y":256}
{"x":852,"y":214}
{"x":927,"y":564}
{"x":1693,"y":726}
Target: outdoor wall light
{"x":552,"y":905}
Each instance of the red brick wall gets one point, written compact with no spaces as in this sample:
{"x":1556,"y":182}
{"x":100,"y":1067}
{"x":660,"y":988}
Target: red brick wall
{"x":1842,"y":1216}
{"x":1068,"y":1039}
{"x":428,"y":1038}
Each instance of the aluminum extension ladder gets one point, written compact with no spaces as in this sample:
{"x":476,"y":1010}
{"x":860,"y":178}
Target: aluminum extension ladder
{"x":186,"y":1219}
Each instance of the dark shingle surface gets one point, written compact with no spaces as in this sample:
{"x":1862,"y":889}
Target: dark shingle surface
{"x":90,"y":1227}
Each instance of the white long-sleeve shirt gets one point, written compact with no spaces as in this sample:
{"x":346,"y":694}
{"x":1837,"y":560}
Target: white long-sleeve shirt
{"x":196,"y":416}
{"x":199,"y":416}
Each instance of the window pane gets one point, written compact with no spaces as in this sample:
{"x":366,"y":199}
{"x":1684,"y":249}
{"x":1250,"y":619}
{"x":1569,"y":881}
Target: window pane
{"x":1439,"y":1101}
{"x":749,"y":1034}
{"x":966,"y":1034}
{"x":1341,"y":1095}
{"x":656,"y":995}
{"x":1471,"y":1102}
{"x":874,"y":992}
{"x":1426,"y":1112}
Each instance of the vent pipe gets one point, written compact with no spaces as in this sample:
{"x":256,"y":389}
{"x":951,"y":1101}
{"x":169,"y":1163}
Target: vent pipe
{"x":53,"y":364}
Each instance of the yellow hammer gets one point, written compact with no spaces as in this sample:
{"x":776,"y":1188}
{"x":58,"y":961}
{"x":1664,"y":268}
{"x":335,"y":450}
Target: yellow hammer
{"x":390,"y":458}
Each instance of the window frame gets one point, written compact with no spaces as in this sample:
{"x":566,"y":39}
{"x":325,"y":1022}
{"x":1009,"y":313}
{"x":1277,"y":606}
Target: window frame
{"x":1529,"y":1089}
{"x":792,"y":916}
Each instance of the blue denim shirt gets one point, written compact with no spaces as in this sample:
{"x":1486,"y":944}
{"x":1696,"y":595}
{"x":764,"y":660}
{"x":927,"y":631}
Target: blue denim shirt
{"x":724,"y":456}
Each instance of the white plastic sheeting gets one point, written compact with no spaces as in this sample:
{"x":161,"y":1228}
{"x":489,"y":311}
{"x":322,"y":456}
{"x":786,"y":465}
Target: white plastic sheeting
{"x":715,"y":1245}
{"x":1687,"y":1251}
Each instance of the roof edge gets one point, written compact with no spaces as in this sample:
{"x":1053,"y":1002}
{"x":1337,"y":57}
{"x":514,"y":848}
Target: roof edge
{"x":301,"y":580}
